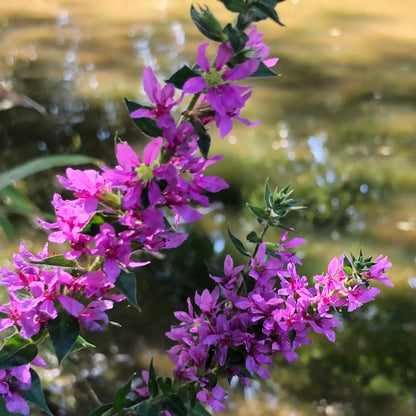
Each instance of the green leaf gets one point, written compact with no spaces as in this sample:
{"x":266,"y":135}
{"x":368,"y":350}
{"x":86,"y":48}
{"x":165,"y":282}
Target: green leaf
{"x":204,"y":139}
{"x":238,"y":244}
{"x":80,"y":344}
{"x":259,"y":212}
{"x":237,"y":39}
{"x":176,"y":405}
{"x":146,"y":125}
{"x":18,"y":203}
{"x":207,"y":23}
{"x":152,"y":383}
{"x":102,"y":410}
{"x":146,"y":409}
{"x":8,"y":228}
{"x":50,"y":263}
{"x":213,"y":379}
{"x":199,"y":410}
{"x":127,"y":285}
{"x":165,"y":386}
{"x":18,"y":199}
{"x":268,"y":11}
{"x":41,"y":164}
{"x":58,"y":260}
{"x":92,"y":227}
{"x":121,"y":400}
{"x":179,"y":78}
{"x":64,"y":332}
{"x":35,"y":393}
{"x":267,"y":194}
{"x":263,"y":71}
{"x":17,"y":351}
{"x":214,"y":271}
{"x":252,"y":237}
{"x":235,"y":5}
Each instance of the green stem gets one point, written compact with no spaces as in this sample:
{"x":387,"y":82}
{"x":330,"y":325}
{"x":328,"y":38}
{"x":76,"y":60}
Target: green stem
{"x":190,"y":107}
{"x":256,"y":249}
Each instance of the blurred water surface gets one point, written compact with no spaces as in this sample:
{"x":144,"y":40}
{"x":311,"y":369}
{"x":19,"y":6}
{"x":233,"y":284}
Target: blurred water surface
{"x":338,"y":124}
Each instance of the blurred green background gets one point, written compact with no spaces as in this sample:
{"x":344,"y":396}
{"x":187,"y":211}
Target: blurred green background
{"x":338,"y":124}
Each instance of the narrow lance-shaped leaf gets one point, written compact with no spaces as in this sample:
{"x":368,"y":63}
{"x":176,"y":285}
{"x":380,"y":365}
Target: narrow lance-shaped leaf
{"x":181,"y":76}
{"x":152,"y":383}
{"x":146,"y":125}
{"x":64,"y":331}
{"x":165,"y":385}
{"x":17,"y":351}
{"x":238,"y":244}
{"x":237,"y":38}
{"x":259,"y":212}
{"x":35,"y":393}
{"x":235,"y":5}
{"x":252,"y":237}
{"x":102,"y":410}
{"x":41,"y":164}
{"x":147,"y":409}
{"x":199,"y":410}
{"x":265,"y":12}
{"x":121,"y":400}
{"x":81,"y":344}
{"x":92,"y":227}
{"x":204,"y":139}
{"x":263,"y":71}
{"x":176,"y":406}
{"x":127,"y":285}
{"x":50,"y":263}
{"x":215,"y":271}
{"x":267,"y":194}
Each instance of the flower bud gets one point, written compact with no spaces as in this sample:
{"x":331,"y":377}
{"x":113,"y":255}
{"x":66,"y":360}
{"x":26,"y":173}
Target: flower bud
{"x":208,"y":24}
{"x":110,"y":200}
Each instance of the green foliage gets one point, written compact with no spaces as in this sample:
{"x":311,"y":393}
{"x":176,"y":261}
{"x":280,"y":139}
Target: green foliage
{"x":120,"y":400}
{"x":50,"y":263}
{"x":17,"y":202}
{"x":237,"y":38}
{"x":35,"y":393}
{"x":80,"y":344}
{"x":238,"y":244}
{"x":152,"y":383}
{"x":127,"y":285}
{"x":147,"y":125}
{"x":41,"y":164}
{"x":181,"y":76}
{"x":64,"y":332}
{"x":204,"y":139}
{"x":17,"y":351}
{"x":93,"y":225}
{"x":105,"y":409}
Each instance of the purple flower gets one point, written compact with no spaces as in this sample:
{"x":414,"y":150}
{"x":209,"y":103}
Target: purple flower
{"x":378,"y":271}
{"x":12,"y":381}
{"x":213,"y":398}
{"x":261,"y":50}
{"x":162,"y":100}
{"x":226,"y":99}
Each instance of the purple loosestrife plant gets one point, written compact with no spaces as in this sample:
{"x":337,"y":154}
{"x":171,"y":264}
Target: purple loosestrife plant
{"x":117,"y":214}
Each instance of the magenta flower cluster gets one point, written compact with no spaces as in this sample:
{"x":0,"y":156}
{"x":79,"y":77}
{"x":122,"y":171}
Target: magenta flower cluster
{"x":257,"y":312}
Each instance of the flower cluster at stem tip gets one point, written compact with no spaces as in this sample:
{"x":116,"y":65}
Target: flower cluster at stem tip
{"x":119,"y":213}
